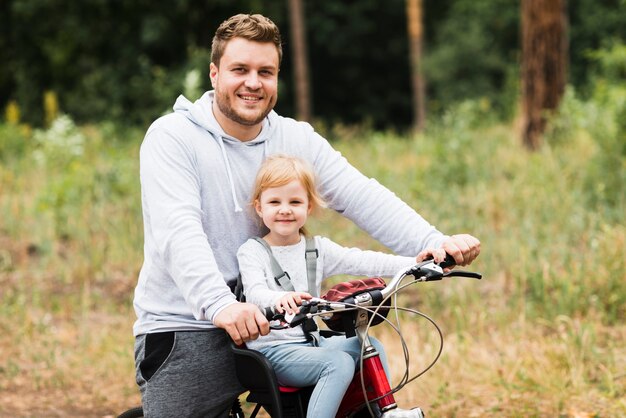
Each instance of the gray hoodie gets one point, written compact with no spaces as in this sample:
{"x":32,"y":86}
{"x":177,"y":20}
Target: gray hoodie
{"x":196,"y":183}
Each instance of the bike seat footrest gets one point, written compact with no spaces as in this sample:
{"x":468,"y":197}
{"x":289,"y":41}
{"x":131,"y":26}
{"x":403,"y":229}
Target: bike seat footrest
{"x":288,"y":389}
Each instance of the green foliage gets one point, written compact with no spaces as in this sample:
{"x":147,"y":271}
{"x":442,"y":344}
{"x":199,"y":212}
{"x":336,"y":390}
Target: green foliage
{"x":603,"y":117}
{"x":453,"y":136}
{"x":612,"y":62}
{"x":79,"y":178}
{"x":125,"y":61}
{"x":593,"y":25}
{"x":128,"y":61}
{"x":61,"y":144}
{"x":13,"y":142}
{"x":473,"y":54}
{"x":546,"y":219}
{"x":548,"y":223}
{"x":607,"y":173}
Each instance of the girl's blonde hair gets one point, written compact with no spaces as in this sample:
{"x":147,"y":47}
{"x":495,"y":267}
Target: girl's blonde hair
{"x":278,"y":170}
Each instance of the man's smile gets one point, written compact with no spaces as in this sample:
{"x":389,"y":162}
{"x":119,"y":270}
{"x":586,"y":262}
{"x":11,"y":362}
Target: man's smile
{"x":250,"y":98}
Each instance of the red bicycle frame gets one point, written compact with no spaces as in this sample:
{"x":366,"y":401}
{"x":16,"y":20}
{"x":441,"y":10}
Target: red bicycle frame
{"x":376,"y":386}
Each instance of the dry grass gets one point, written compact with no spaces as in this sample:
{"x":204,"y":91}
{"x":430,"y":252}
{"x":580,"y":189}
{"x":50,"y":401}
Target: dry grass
{"x":82,"y":366}
{"x":519,"y":370}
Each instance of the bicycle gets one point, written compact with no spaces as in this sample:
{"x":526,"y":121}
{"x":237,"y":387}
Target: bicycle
{"x":370,"y":393}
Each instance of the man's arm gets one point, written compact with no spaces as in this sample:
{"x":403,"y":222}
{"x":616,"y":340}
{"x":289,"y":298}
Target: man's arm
{"x":172,"y":199}
{"x":172,"y":207}
{"x":377,"y":210}
{"x":370,"y":205}
{"x":357,"y":262}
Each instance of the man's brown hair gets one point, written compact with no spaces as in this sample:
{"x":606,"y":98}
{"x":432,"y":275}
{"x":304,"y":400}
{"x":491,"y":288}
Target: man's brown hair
{"x":254,"y":27}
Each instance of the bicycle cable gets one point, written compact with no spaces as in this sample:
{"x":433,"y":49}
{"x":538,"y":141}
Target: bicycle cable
{"x":397,"y":329}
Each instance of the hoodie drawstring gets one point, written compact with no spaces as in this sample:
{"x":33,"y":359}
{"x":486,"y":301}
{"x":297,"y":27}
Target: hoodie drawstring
{"x":230,"y":175}
{"x":265,"y":149}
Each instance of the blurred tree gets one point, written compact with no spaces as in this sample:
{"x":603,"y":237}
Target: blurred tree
{"x":544,"y":63}
{"x":109,"y":59}
{"x":414,"y":16}
{"x":300,"y":60}
{"x":7,"y":57}
{"x":127,"y":60}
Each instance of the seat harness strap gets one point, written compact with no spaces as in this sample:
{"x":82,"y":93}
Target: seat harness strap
{"x":282,"y":279}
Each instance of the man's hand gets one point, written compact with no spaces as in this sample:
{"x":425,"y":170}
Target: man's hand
{"x":290,"y":301}
{"x":463,"y":248}
{"x":242,"y":321}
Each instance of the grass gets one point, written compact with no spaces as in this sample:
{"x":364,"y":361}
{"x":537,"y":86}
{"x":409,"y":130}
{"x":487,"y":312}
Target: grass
{"x":541,"y":335}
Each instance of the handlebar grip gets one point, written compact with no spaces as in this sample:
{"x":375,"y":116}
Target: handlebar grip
{"x":470,"y":274}
{"x":448,"y":262}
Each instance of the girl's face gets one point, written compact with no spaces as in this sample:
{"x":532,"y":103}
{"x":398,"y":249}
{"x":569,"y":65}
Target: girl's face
{"x":284,"y":210}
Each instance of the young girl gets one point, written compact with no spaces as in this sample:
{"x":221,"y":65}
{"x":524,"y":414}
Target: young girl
{"x":284,"y":195}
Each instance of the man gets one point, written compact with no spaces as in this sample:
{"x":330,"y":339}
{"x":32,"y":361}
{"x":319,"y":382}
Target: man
{"x":197,"y":166}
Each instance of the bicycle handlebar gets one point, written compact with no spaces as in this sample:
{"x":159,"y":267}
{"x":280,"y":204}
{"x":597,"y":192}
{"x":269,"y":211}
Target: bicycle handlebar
{"x":447,"y":262}
{"x":424,"y":271}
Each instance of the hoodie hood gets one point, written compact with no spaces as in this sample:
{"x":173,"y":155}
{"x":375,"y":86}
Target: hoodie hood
{"x":200,"y":112}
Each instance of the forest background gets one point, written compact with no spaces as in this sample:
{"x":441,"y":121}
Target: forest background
{"x":542,"y":335}
{"x":127,"y":60}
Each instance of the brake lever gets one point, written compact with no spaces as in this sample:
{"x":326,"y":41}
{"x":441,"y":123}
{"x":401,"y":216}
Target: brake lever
{"x":429,"y":271}
{"x":307,"y":307}
{"x":426,"y":271}
{"x":282,"y":322}
{"x":297,"y":319}
{"x":287,"y":320}
{"x":273,"y":316}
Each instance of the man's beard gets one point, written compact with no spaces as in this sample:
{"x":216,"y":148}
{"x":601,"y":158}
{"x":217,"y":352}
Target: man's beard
{"x":224,"y":105}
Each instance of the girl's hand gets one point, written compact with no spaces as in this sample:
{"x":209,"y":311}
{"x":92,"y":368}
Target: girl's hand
{"x":290,"y":301}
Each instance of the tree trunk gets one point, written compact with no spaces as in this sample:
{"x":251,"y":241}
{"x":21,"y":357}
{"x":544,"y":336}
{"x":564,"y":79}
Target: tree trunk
{"x":544,"y":64}
{"x":415,"y":29}
{"x":300,"y":60}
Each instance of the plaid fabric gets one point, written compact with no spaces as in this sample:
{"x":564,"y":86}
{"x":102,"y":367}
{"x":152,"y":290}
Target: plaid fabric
{"x":344,"y":290}
{"x":340,"y":291}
